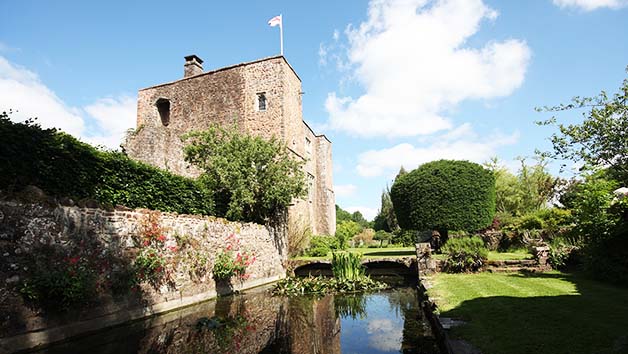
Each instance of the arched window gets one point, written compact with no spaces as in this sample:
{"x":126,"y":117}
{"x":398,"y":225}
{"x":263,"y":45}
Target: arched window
{"x":163,"y":107}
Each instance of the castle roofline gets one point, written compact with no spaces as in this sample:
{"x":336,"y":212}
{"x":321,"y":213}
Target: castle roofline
{"x":227,"y":68}
{"x":313,"y":133}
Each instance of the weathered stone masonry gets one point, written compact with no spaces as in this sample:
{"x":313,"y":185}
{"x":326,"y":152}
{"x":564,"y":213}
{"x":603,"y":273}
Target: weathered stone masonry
{"x":231,"y":96}
{"x":24,"y":227}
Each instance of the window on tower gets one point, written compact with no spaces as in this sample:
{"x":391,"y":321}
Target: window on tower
{"x":163,"y":107}
{"x":261,"y":101}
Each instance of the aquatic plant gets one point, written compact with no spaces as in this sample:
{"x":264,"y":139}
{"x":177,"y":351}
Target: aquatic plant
{"x":295,"y":286}
{"x":347,"y":265}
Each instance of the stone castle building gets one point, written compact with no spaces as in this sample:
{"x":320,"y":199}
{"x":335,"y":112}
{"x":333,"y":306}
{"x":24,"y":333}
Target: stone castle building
{"x":261,"y":97}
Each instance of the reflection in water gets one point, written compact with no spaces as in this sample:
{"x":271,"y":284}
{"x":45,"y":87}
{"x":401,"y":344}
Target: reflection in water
{"x":256,"y":323}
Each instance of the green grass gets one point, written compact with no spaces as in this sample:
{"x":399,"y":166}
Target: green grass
{"x":498,"y":256}
{"x":373,"y":253}
{"x":409,"y":252}
{"x":535,"y":312}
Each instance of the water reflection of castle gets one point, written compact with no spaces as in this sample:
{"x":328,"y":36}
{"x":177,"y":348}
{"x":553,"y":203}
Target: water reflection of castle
{"x":387,"y":322}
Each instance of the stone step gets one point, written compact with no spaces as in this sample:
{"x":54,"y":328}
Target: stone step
{"x":514,"y":263}
{"x":512,"y":269}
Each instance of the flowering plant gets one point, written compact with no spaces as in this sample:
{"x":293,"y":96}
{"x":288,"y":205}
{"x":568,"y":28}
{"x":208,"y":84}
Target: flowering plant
{"x":154,"y":262}
{"x":233,"y":260}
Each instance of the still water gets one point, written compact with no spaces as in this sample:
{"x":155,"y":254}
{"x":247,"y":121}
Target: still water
{"x":383,"y":322}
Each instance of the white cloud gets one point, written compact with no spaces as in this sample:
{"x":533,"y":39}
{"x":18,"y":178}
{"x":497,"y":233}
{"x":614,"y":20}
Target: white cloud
{"x":414,"y":63}
{"x":23,"y":92}
{"x":345,"y":190}
{"x":461,"y":143}
{"x":590,"y":5}
{"x":368,"y":213}
{"x":113,"y":117}
{"x":384,"y":335}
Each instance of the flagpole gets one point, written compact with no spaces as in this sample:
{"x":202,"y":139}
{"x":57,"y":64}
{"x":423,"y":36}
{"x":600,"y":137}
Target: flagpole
{"x":281,"y":33}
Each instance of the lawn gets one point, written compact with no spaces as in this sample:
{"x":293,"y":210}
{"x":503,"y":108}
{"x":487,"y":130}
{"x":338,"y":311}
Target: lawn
{"x":375,"y":253}
{"x":498,"y":256}
{"x":534,"y":312}
{"x":410,"y":252}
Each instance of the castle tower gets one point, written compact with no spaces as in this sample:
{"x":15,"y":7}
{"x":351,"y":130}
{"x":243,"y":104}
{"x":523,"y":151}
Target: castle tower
{"x":262,"y":97}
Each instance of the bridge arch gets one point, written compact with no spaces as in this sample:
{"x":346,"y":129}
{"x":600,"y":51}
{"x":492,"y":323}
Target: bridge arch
{"x":314,"y":269}
{"x":389,"y":267}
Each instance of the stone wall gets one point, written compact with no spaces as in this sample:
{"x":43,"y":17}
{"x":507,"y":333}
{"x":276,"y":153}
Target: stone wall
{"x":27,"y":230}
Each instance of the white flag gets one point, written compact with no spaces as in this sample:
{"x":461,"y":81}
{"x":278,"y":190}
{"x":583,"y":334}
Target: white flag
{"x":275,"y":21}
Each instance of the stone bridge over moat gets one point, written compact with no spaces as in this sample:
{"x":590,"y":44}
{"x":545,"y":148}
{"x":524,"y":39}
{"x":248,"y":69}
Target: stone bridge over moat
{"x":405,"y":266}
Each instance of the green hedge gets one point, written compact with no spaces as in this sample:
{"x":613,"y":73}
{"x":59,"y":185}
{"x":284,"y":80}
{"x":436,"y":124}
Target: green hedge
{"x":445,"y":195}
{"x":465,"y":254}
{"x":65,"y":167}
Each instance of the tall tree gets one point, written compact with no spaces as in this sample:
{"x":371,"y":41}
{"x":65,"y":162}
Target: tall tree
{"x":529,"y":190}
{"x":258,"y":178}
{"x":386,"y":219}
{"x":342,"y":215}
{"x":601,"y":139}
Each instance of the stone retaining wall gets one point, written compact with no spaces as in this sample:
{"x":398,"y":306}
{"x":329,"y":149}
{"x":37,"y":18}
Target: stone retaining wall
{"x":114,"y":238}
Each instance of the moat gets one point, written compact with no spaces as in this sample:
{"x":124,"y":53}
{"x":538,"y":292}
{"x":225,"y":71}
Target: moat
{"x":388,"y":321}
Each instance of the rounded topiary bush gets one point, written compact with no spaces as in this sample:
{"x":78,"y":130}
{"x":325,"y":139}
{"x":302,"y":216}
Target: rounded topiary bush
{"x":445,"y":195}
{"x":465,"y":254}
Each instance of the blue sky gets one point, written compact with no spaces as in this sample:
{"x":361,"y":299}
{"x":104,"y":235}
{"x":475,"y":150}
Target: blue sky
{"x":390,"y":82}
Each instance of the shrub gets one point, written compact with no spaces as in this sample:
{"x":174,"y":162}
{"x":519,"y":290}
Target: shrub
{"x":382,"y":236}
{"x":320,"y":246}
{"x":445,"y":195}
{"x":364,"y":238}
{"x":559,"y":255}
{"x":69,"y":283}
{"x":530,"y":222}
{"x":466,"y":254}
{"x":505,"y":220}
{"x":555,"y":221}
{"x":345,"y":231}
{"x":405,"y":237}
{"x":607,"y":259}
{"x":65,"y":167}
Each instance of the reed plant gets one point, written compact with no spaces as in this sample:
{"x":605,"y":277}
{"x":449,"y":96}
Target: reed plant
{"x":347,"y":265}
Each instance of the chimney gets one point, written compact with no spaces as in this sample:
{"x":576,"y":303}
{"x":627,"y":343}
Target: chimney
{"x":193,"y":66}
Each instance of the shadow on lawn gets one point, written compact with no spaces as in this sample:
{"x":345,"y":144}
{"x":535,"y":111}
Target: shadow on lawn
{"x":593,"y":321}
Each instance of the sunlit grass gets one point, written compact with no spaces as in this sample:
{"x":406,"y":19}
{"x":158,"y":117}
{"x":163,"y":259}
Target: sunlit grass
{"x":383,"y":252}
{"x":498,"y":256}
{"x":534,"y":313}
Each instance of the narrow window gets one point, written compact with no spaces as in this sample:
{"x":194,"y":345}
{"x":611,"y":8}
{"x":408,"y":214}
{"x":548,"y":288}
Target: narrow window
{"x":261,"y":102}
{"x":308,"y":146}
{"x":310,"y":187}
{"x":163,"y":107}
